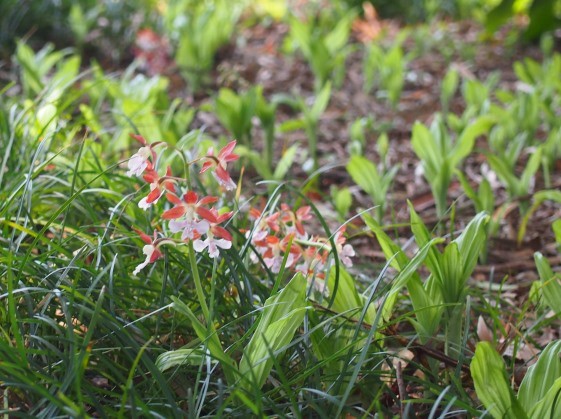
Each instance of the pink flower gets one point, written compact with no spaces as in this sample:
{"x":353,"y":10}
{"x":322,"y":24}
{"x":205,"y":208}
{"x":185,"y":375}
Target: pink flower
{"x":296,"y":218}
{"x":224,"y":240}
{"x":220,"y":164}
{"x":346,"y":254}
{"x":186,"y":212}
{"x":157,"y":186}
{"x":277,"y":248}
{"x":344,"y":251}
{"x":313,"y":263}
{"x":139,"y":161}
{"x":224,"y":180}
{"x":188,"y":206}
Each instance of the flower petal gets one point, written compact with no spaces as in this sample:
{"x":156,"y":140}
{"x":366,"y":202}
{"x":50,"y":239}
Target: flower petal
{"x":200,"y":245}
{"x":174,"y":212}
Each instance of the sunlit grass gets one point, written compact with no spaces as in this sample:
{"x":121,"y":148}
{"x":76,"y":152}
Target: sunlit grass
{"x":81,"y":335}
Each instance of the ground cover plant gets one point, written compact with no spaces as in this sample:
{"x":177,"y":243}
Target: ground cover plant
{"x":286,"y":209}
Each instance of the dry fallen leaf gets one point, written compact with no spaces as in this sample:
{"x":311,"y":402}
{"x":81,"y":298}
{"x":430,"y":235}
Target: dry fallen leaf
{"x":403,"y":357}
{"x":369,"y":28}
{"x":483,"y":331}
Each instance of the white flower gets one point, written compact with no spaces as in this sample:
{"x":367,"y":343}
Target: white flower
{"x":212,"y":244}
{"x":346,"y":254}
{"x":275,"y":263}
{"x":148,"y":250}
{"x":143,"y":203}
{"x":257,"y":234}
{"x":139,"y":161}
{"x":190,"y":227}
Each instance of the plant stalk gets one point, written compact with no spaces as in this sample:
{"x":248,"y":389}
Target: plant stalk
{"x":198,"y":285}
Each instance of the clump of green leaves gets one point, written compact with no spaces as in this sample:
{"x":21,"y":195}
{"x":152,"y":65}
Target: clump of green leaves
{"x":440,"y":300}
{"x":543,"y":16}
{"x":235,"y":112}
{"x":46,"y":72}
{"x":448,"y":88}
{"x":137,"y":102}
{"x":324,"y":45}
{"x":198,"y":29}
{"x":385,"y":69}
{"x":375,"y":180}
{"x":538,"y":393}
{"x":518,"y":187}
{"x":311,"y":114}
{"x":440,"y":155}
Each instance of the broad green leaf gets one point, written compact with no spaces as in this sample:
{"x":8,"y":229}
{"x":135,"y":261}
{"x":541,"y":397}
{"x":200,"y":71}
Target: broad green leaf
{"x":475,"y":94}
{"x":504,"y":172}
{"x":522,"y":71}
{"x":409,"y":271}
{"x":347,"y":298}
{"x":451,"y":282}
{"x":274,"y":8}
{"x":427,"y":306}
{"x":300,"y":32}
{"x":365,"y":174}
{"x":282,"y":315}
{"x":338,"y":37}
{"x":550,"y":286}
{"x":321,"y":102}
{"x":541,"y":377}
{"x":422,"y":237}
{"x":78,"y":22}
{"x":342,"y":200}
{"x":544,"y":17}
{"x":46,"y":117}
{"x":538,"y":199}
{"x":179,"y":358}
{"x":425,"y":148}
{"x":468,"y":190}
{"x":530,"y":170}
{"x":491,"y":384}
{"x":550,"y":405}
{"x":258,"y":162}
{"x":234,"y":112}
{"x":392,"y":252}
{"x":464,"y":145}
{"x":449,"y":86}
{"x":418,"y":227}
{"x":556,"y":226}
{"x":285,"y":163}
{"x":486,"y":197}
{"x":210,"y":337}
{"x":410,"y":278}
{"x":292,"y":125}
{"x":67,"y":72}
{"x":471,"y":241}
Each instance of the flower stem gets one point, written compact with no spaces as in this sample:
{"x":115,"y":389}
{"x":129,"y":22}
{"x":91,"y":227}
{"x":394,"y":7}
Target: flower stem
{"x":198,"y":285}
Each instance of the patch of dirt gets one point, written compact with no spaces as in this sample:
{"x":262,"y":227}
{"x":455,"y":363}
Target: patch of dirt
{"x":257,"y":59}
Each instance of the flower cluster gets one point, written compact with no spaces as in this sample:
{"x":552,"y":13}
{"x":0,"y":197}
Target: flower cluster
{"x":189,"y":218}
{"x":281,"y":234}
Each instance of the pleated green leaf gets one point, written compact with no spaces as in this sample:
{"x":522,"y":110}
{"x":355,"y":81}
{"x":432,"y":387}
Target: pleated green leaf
{"x":491,"y":384}
{"x":282,"y":315}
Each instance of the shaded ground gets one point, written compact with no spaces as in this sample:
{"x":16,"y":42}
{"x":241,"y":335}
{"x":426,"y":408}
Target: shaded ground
{"x":258,"y":60}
